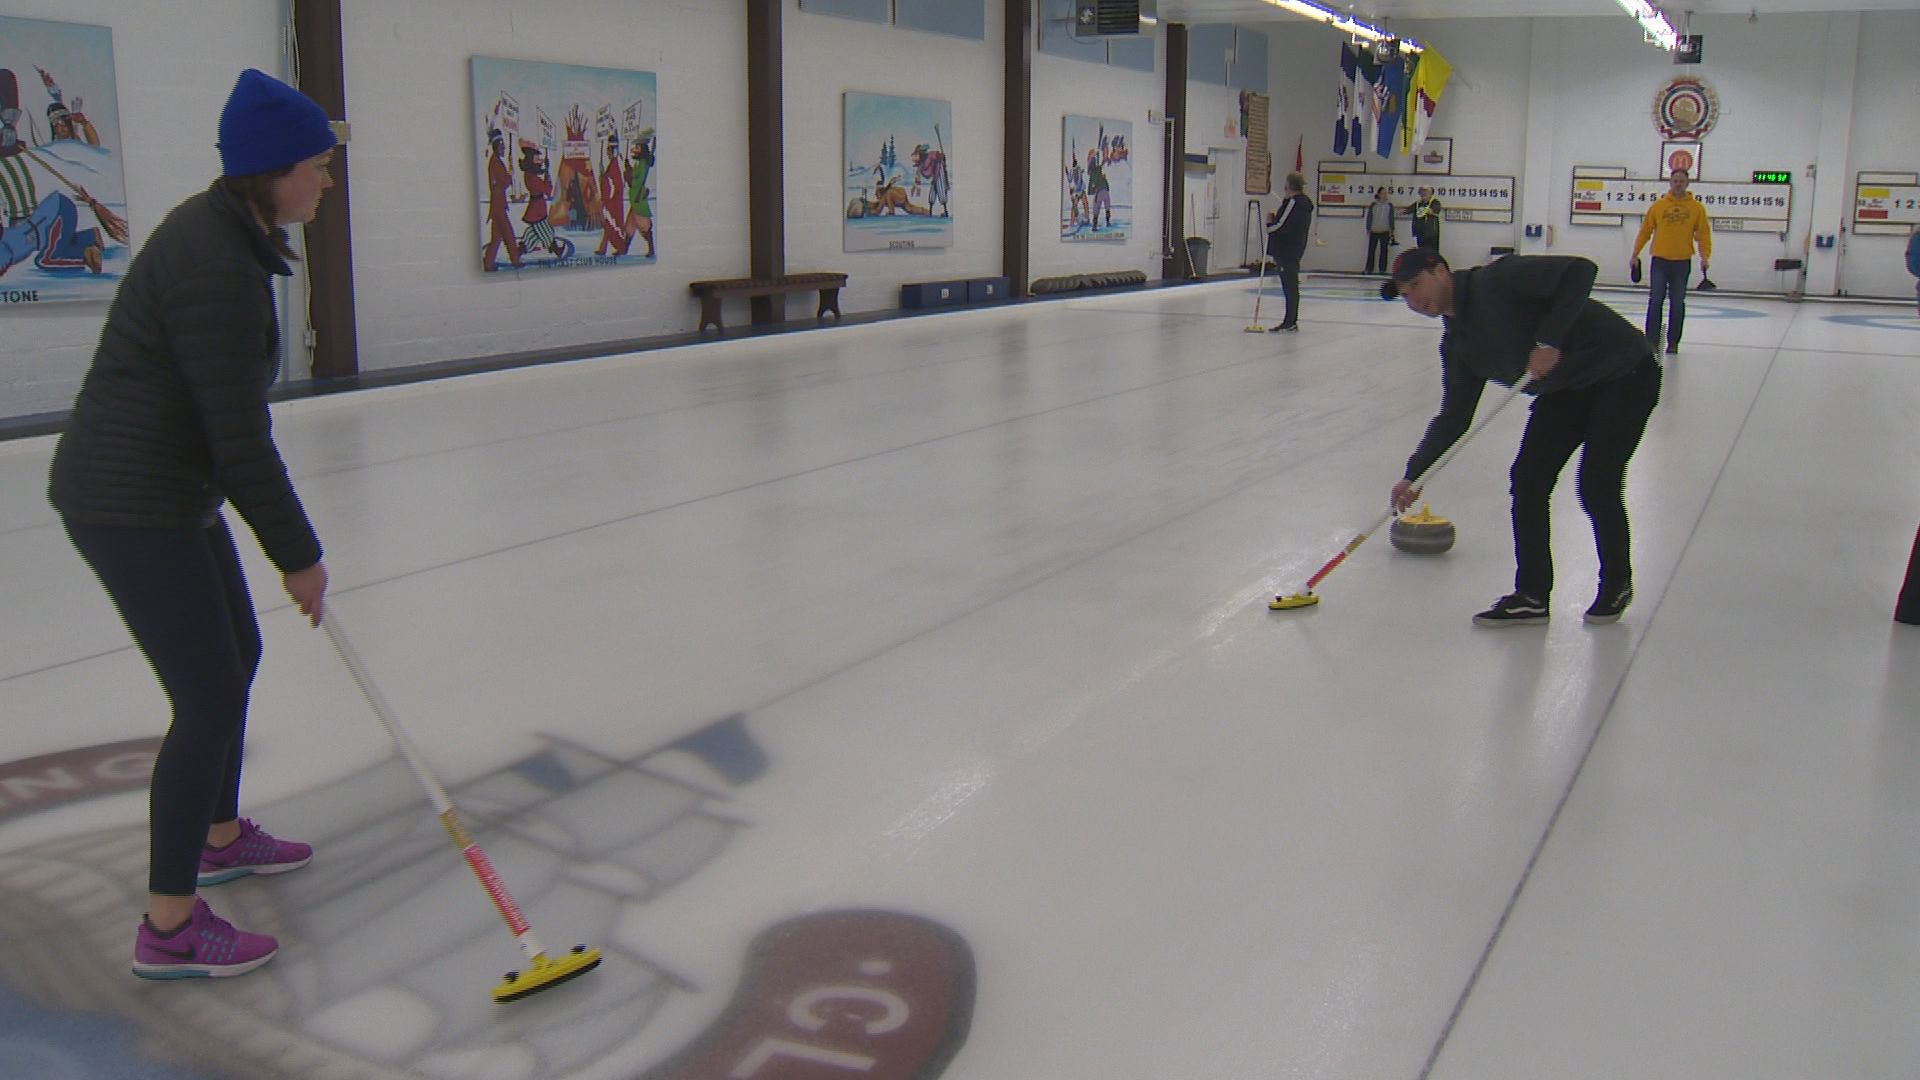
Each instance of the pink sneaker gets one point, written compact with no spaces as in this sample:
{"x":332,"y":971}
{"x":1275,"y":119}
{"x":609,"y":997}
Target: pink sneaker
{"x":207,"y":947}
{"x":254,"y":852}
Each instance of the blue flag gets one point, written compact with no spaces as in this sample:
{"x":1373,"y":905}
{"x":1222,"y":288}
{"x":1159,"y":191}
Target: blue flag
{"x":1343,"y":102}
{"x":1363,"y":76}
{"x":1391,"y":93}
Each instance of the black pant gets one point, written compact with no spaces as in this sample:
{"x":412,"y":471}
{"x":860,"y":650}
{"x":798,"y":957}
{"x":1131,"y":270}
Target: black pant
{"x":182,"y":596}
{"x":1288,"y":264}
{"x":1377,"y":244}
{"x":1667,"y":283}
{"x":1608,"y":420}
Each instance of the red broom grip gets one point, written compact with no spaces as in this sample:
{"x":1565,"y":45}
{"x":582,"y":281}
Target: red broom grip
{"x":490,"y":880}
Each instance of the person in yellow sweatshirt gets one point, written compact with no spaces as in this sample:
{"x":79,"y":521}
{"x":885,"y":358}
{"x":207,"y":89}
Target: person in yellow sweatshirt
{"x":1676,"y":221}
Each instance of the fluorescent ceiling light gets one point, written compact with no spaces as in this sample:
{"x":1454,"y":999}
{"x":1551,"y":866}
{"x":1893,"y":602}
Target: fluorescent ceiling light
{"x":1308,"y":9}
{"x":1658,"y":29}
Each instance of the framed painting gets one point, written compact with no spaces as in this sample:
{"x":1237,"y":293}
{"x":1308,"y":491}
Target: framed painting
{"x":61,"y":182}
{"x":898,"y":182}
{"x":1680,"y":154}
{"x":567,"y":165}
{"x":1096,"y":179}
{"x":1435,"y":157}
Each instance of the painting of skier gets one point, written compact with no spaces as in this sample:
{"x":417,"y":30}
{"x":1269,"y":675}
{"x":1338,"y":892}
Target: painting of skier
{"x":898,"y":201}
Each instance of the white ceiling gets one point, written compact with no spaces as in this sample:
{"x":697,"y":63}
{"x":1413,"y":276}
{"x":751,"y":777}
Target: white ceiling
{"x":1198,"y":12}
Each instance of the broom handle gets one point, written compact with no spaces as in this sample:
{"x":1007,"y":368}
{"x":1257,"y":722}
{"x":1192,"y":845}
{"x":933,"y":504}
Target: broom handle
{"x":337,"y":634}
{"x":1512,"y":392}
{"x":477,"y":860}
{"x":1348,"y":550}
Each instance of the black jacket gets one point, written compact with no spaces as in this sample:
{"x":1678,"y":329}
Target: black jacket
{"x":1500,"y":312}
{"x":1426,"y":226}
{"x":1287,"y":234}
{"x":172,"y":418}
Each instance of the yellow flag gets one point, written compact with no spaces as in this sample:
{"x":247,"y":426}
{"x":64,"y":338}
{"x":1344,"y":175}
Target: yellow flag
{"x":1423,"y":97}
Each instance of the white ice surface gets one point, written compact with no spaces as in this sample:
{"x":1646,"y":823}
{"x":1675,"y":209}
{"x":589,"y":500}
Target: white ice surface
{"x":990,"y":590}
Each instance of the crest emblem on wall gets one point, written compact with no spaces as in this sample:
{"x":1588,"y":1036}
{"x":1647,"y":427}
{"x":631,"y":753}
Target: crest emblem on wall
{"x":1685,"y":108}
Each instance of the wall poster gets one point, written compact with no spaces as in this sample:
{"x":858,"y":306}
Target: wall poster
{"x":1096,"y":179}
{"x":567,"y":165}
{"x":899,"y":178}
{"x":64,"y":193}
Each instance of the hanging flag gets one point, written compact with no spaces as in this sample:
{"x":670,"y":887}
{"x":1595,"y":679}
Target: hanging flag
{"x":1300,"y":155}
{"x":1343,"y":104}
{"x":1391,"y":94}
{"x":1423,"y":96}
{"x":1363,"y":75}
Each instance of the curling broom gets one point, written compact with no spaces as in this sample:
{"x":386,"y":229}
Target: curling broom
{"x":1259,"y":291}
{"x":1306,"y":596}
{"x":542,"y":972}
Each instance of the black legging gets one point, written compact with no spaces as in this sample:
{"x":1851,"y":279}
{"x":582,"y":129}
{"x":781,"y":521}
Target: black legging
{"x":1380,"y":244}
{"x":184,"y":599}
{"x":1289,"y":264}
{"x":1608,"y":419}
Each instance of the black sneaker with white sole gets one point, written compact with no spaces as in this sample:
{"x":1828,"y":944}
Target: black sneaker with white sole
{"x":1514,"y":609}
{"x":1609,"y":605}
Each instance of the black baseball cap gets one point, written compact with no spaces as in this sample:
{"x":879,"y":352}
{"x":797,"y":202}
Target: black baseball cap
{"x":1411,"y":264}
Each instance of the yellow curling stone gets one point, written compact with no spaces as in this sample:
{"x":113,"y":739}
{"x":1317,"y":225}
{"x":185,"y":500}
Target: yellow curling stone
{"x":1421,"y":533}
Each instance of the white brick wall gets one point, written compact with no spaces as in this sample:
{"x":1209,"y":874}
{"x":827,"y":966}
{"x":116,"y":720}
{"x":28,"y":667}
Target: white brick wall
{"x":1062,"y":86}
{"x":421,"y":297}
{"x":1769,"y":78}
{"x":827,"y":56}
{"x":420,"y":294}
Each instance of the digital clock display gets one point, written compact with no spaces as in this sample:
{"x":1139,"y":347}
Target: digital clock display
{"x":1772,"y":176}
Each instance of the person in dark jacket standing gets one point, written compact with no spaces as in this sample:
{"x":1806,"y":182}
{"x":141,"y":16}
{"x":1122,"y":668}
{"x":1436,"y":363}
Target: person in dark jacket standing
{"x":1426,"y":213}
{"x":1287,"y":243}
{"x":1595,"y":382}
{"x":170,"y":422}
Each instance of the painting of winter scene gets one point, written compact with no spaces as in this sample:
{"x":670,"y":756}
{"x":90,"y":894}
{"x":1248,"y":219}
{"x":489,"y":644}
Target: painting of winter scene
{"x":60,"y":175}
{"x":898,"y":180}
{"x":1096,"y":179}
{"x":565,"y":164}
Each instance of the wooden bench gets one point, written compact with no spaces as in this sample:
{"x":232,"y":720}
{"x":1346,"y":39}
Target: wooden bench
{"x":712,"y":292}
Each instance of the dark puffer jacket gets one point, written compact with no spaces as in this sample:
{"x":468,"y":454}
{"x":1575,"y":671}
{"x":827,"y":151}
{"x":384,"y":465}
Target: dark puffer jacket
{"x":172,"y":418}
{"x":1501,"y":311}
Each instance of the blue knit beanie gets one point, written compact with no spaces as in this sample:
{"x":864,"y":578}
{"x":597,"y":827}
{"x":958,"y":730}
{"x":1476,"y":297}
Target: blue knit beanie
{"x":268,"y":125}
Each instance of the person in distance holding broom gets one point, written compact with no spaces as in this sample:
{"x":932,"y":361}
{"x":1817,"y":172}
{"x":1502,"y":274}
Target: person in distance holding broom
{"x":1595,"y":381}
{"x":170,"y":422}
{"x":1287,"y":242}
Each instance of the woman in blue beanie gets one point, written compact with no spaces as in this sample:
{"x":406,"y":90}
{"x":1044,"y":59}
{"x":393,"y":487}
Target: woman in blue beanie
{"x":170,"y":422}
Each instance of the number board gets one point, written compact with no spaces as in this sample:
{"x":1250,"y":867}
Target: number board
{"x":1886,"y":202}
{"x":1345,"y":191}
{"x":1732,"y":206}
